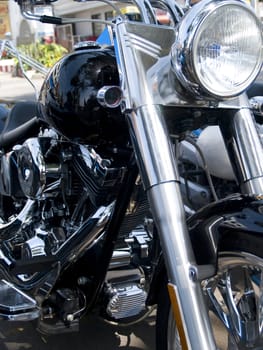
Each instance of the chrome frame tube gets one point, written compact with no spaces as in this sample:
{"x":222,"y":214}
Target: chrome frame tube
{"x":159,"y":173}
{"x":244,"y":144}
{"x":146,"y":10}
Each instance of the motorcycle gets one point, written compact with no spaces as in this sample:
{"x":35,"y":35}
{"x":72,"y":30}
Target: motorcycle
{"x":97,"y":212}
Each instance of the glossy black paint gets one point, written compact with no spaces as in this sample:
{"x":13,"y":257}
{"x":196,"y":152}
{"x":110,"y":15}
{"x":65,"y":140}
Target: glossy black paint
{"x":214,"y":228}
{"x":221,"y":220}
{"x":68,"y":96}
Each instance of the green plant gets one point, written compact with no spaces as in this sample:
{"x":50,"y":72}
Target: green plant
{"x":47,"y":54}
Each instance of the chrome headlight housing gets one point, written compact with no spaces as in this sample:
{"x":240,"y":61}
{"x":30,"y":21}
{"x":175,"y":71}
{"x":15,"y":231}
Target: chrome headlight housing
{"x":218,"y":48}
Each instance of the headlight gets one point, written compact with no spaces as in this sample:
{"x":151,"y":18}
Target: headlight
{"x":218,"y":48}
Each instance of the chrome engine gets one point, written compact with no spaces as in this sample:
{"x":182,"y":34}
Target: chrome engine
{"x":67,"y":182}
{"x":54,"y":189}
{"x":43,"y":164}
{"x":126,"y":287}
{"x":126,"y":300}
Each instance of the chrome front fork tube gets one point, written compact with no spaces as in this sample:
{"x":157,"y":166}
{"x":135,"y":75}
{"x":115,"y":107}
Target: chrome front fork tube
{"x":161,"y":180}
{"x":245,"y":148}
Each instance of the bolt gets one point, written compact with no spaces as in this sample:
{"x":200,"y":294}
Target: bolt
{"x":70,"y":317}
{"x":193,"y":273}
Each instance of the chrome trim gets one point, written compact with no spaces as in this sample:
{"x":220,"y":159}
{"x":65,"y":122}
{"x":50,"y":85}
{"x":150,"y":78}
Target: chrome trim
{"x":175,"y":10}
{"x":159,"y":171}
{"x":9,"y":46}
{"x":15,"y":305}
{"x":120,"y":258}
{"x":247,"y":145}
{"x":161,"y":179}
{"x":146,"y":10}
{"x":256,"y":103}
{"x":127,"y":300}
{"x":7,"y":261}
{"x":23,"y":217}
{"x":36,"y":247}
{"x":146,"y":72}
{"x":141,"y":48}
{"x":107,"y":101}
{"x":235,"y":294}
{"x":32,"y":168}
{"x":156,"y":155}
{"x":182,"y":59}
{"x":100,"y":218}
{"x":169,"y":214}
{"x":184,"y":40}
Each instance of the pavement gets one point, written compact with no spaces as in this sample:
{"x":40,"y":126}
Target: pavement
{"x":94,"y":334}
{"x":14,"y":89}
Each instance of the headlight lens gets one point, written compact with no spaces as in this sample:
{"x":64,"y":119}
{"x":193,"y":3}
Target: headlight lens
{"x":219,"y":52}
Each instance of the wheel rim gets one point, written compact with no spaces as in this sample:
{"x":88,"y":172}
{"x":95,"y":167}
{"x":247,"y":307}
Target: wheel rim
{"x":235,"y":297}
{"x":235,"y":300}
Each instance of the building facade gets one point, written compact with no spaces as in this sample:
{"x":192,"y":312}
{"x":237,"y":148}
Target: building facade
{"x":70,"y":34}
{"x":24,"y":31}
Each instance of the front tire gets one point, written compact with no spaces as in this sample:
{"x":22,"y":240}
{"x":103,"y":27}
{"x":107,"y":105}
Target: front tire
{"x":234,"y":298}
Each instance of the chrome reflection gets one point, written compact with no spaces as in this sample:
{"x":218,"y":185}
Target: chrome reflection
{"x":235,"y":297}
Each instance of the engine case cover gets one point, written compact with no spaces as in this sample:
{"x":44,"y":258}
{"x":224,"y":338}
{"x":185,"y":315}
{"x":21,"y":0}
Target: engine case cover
{"x":35,"y":172}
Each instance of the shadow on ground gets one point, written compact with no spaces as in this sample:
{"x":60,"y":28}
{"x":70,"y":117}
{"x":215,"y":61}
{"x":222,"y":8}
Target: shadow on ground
{"x":94,"y":334}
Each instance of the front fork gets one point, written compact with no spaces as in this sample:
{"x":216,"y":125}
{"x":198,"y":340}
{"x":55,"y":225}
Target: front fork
{"x":141,"y":53}
{"x":244,"y":147}
{"x":160,"y":176}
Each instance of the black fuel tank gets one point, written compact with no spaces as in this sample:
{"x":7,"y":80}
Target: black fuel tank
{"x":68,"y":96}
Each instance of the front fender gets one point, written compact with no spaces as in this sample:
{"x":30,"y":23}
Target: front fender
{"x":207,"y":229}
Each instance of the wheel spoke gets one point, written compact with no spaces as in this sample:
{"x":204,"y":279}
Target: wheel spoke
{"x":241,"y":303}
{"x":235,"y":302}
{"x":235,"y":296}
